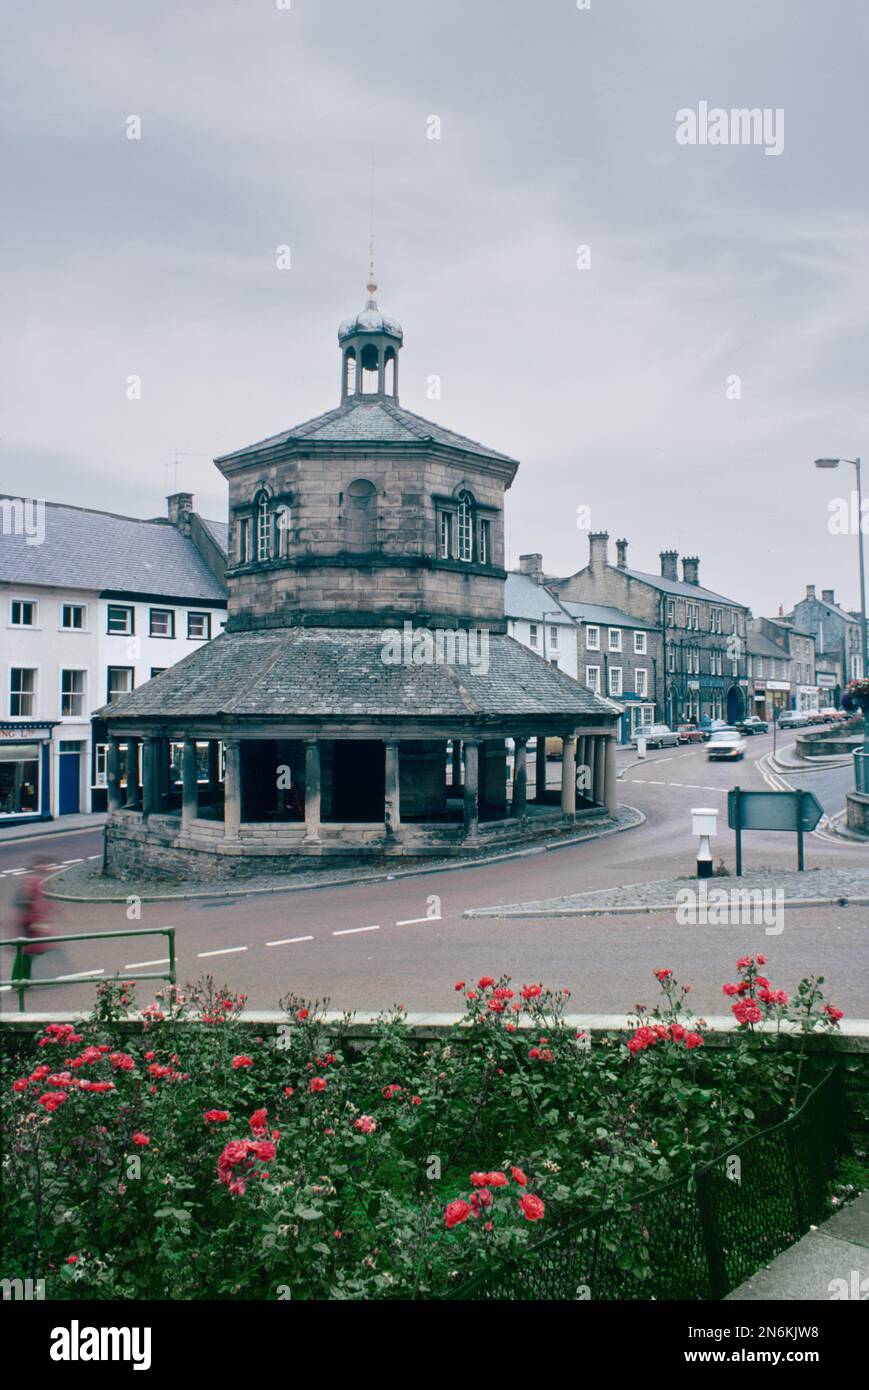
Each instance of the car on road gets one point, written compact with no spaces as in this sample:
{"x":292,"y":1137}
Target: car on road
{"x":725,"y":743}
{"x":791,"y":719}
{"x":656,"y":736}
{"x":752,"y":725}
{"x":691,"y":733}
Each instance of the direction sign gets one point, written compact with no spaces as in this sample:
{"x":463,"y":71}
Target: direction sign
{"x":773,"y":810}
{"x":796,"y":811}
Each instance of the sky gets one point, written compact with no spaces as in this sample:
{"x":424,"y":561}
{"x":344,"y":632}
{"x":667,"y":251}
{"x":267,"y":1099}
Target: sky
{"x":611,"y":381}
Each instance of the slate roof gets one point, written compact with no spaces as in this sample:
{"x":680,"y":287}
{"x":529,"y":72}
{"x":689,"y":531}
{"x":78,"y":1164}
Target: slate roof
{"x":86,"y":549}
{"x":761,"y":645}
{"x":342,"y":672}
{"x":680,"y":588}
{"x":605,"y":616}
{"x":219,"y":533}
{"x":525,"y":599}
{"x":363,"y":422}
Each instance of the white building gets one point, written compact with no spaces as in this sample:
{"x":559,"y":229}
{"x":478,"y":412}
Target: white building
{"x":537,"y":620}
{"x":91,"y":605}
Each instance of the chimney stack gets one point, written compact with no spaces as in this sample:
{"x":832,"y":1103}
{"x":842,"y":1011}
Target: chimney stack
{"x":828,"y":595}
{"x":598,"y":542}
{"x":179,"y":506}
{"x":810,"y":591}
{"x":669,"y":564}
{"x":622,"y":554}
{"x":690,"y":569}
{"x":532,"y":565}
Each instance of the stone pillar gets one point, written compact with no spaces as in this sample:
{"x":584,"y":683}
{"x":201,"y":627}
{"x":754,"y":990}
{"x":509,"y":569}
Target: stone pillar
{"x":150,"y":776}
{"x":610,"y":779}
{"x":472,"y":789}
{"x":599,"y":772}
{"x":590,"y":758}
{"x":190,"y":789}
{"x":568,"y":776}
{"x":113,"y":775}
{"x":312,"y":791}
{"x":392,"y":796}
{"x":232,"y":789}
{"x":520,"y":776}
{"x":213,"y":769}
{"x":457,"y":763}
{"x":581,"y":765}
{"x":540,"y":769}
{"x":132,"y":799}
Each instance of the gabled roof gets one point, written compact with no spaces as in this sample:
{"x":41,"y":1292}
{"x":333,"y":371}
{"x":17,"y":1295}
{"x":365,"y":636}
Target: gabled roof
{"x":679,"y":588}
{"x":86,"y":549}
{"x":295,"y":673}
{"x":604,"y":616}
{"x":369,"y":422}
{"x":760,"y":645}
{"x":525,"y":599}
{"x":831,"y":608}
{"x":219,"y":533}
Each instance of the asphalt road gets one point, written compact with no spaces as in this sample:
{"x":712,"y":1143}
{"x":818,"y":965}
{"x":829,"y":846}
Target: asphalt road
{"x":368,"y":946}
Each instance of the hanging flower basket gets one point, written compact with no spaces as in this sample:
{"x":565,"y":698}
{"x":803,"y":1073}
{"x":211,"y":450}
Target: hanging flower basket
{"x":856,"y":696}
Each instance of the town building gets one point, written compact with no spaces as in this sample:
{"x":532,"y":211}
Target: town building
{"x":619,"y":656}
{"x":702,"y":670}
{"x":92,"y":607}
{"x":537,"y":619}
{"x":366,"y":684}
{"x":837,"y":638}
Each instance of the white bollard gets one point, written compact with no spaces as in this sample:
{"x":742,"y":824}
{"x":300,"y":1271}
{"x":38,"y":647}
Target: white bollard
{"x":704,"y":823}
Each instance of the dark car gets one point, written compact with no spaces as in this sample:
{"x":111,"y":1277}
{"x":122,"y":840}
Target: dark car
{"x":752,"y":725}
{"x":691,"y":733}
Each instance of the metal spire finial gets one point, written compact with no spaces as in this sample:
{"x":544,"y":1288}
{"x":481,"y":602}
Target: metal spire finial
{"x":372,"y":283}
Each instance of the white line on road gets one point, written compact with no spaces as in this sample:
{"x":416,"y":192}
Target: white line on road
{"x":11,"y":872}
{"x":71,"y":861}
{"x":351,"y":931}
{"x":140,"y":964}
{"x":289,"y":940}
{"x":411,"y":921}
{"x":227,"y":951}
{"x":95,"y":856}
{"x":81,"y":975}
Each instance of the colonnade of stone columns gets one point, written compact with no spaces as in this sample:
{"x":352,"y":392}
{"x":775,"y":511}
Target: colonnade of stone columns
{"x":587,"y":759}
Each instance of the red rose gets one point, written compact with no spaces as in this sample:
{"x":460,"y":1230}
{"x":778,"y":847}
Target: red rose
{"x":485,"y":982}
{"x":242,"y":1061}
{"x":497,"y":1179}
{"x":531,"y":1207}
{"x":519,"y":1176}
{"x":459,"y":985}
{"x":456,"y":1213}
{"x":258,"y":1121}
{"x":141,"y":1139}
{"x":216,"y":1117}
{"x":318,"y":1083}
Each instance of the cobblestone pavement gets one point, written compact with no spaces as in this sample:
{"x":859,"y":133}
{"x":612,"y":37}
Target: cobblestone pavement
{"x":813,"y":885}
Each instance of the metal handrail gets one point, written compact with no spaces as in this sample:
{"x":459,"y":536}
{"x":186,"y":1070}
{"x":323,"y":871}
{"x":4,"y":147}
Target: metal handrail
{"x":21,"y":985}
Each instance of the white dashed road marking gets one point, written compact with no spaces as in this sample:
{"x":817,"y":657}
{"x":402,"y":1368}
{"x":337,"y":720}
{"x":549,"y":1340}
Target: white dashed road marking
{"x":82,"y":975}
{"x":411,"y":921}
{"x":140,"y":964}
{"x":289,"y":940}
{"x":351,"y":931}
{"x":227,"y":951}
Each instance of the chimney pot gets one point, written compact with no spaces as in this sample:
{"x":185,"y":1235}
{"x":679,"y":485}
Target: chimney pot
{"x":810,"y":591}
{"x":828,"y":595}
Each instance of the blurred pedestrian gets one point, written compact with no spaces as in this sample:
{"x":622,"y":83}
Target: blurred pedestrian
{"x":33,"y":912}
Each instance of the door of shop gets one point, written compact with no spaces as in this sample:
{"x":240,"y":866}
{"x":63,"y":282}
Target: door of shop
{"x":68,"y":802}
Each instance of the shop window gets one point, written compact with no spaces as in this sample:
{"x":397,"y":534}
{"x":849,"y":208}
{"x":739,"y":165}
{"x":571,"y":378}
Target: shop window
{"x":19,"y":779}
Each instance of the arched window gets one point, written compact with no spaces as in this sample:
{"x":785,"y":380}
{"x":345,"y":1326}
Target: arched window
{"x":465,"y":526}
{"x":263,"y":524}
{"x":350,"y":373}
{"x":283,"y":522}
{"x":361,"y":515}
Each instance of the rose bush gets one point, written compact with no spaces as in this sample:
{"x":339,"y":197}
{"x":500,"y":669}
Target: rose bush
{"x":186,"y":1156}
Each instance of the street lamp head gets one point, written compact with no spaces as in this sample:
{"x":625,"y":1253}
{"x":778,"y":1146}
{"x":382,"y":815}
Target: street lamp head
{"x":826,"y":463}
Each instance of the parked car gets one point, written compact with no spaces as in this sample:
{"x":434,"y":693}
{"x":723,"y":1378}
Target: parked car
{"x":752,"y":725}
{"x":833,"y":715}
{"x":725,"y":743}
{"x":691,"y":733}
{"x":656,"y":736}
{"x":790,"y":719}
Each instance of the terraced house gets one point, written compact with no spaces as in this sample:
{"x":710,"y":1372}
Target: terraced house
{"x":700,"y":634}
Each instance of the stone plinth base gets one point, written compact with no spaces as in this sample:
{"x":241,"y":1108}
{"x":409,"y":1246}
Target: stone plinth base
{"x":857,"y":813}
{"x":159,"y":848}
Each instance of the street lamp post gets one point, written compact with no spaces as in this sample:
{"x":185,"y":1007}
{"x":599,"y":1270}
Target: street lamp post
{"x":864,"y":630}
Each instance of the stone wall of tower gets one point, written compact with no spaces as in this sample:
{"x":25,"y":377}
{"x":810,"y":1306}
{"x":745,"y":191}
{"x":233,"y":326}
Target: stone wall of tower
{"x":325,"y":574}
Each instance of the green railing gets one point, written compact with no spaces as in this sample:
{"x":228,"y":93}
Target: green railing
{"x":21,"y":985}
{"x":698,"y":1237}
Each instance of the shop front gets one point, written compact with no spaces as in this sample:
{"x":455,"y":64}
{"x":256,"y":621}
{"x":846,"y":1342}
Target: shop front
{"x":25,"y":772}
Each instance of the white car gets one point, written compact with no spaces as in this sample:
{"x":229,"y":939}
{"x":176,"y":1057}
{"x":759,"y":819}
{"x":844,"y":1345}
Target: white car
{"x":725,"y":743}
{"x":656,"y":735}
